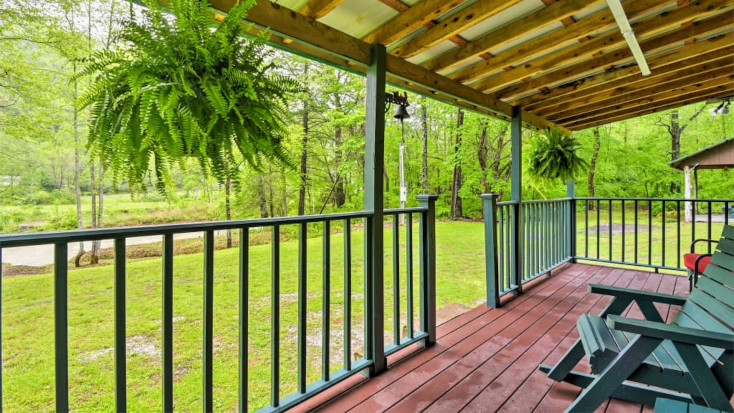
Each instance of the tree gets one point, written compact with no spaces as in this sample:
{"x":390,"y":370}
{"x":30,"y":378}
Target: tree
{"x":592,"y":166}
{"x":456,"y":210}
{"x":179,"y":89}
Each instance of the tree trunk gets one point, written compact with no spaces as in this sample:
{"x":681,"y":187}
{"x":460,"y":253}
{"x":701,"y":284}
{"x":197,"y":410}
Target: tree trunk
{"x":227,"y":206}
{"x":340,"y":196}
{"x":284,"y":192}
{"x":456,"y":210}
{"x":94,"y":254}
{"x":592,"y":166}
{"x":271,"y":199}
{"x":261,"y":196}
{"x":77,"y":168}
{"x":304,"y":151}
{"x":482,"y":155}
{"x":675,"y":133}
{"x":424,"y":169}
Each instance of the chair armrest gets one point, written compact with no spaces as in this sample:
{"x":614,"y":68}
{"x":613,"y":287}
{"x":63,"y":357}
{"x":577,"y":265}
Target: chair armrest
{"x":693,"y":244}
{"x":672,"y":332}
{"x":637,"y":295}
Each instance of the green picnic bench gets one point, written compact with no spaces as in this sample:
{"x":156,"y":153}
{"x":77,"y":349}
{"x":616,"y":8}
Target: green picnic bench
{"x":690,"y":359}
{"x":675,"y":406}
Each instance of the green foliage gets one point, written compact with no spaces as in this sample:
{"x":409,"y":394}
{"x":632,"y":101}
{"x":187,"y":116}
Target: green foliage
{"x":175,"y":88}
{"x":555,"y":156}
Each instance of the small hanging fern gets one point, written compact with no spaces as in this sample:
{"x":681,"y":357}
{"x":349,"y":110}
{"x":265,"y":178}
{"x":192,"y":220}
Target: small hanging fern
{"x":176,"y":88}
{"x":555,"y":156}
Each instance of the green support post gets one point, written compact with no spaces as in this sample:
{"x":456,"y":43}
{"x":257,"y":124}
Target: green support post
{"x":428,"y":276}
{"x":374,"y":160}
{"x":489,"y":202}
{"x":571,"y":194}
{"x":516,"y":170}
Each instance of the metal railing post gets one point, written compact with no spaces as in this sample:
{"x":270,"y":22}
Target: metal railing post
{"x":489,"y":207}
{"x":428,"y":267}
{"x":570,"y":193}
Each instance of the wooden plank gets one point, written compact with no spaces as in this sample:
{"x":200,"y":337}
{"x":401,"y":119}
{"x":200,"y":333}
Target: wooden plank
{"x":423,"y":12}
{"x":319,"y":8}
{"x":509,"y":32}
{"x":647,"y":110}
{"x":657,"y":23}
{"x":654,"y":107}
{"x":307,"y":31}
{"x":557,"y":39}
{"x":681,"y":58}
{"x":563,"y":75}
{"x":632,"y":90}
{"x":594,"y":111}
{"x":452,"y":26}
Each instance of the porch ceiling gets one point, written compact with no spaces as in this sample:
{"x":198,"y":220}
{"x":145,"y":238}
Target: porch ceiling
{"x":564,"y":62}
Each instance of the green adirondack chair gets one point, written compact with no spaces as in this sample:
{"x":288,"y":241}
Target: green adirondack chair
{"x":691,"y":359}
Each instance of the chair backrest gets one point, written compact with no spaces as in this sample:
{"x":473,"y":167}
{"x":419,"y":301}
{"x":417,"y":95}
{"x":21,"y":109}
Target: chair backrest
{"x":710,"y":306}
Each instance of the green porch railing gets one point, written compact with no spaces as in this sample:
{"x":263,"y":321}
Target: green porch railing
{"x":425,"y":335}
{"x":644,"y":232}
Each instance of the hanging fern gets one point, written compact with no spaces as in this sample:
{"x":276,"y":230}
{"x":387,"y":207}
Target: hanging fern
{"x":176,"y":88}
{"x":555,"y":156}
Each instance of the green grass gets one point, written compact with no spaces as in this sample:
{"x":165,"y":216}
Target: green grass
{"x":28,"y":356}
{"x":119,"y":210}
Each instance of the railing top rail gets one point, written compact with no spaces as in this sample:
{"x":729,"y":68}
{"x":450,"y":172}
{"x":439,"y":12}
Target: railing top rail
{"x":652,"y":199}
{"x":39,"y":238}
{"x":395,"y":211}
{"x":546,"y":201}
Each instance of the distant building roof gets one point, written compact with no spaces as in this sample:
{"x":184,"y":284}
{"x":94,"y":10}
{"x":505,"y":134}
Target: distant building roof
{"x":717,"y":156}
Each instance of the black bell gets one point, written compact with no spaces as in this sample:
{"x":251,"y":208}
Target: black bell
{"x":401,"y":112}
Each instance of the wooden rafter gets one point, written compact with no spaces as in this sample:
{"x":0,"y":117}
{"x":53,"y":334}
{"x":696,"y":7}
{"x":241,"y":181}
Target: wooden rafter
{"x":699,"y":28}
{"x":452,"y":26}
{"x":681,"y":58}
{"x":631,"y":90}
{"x":681,"y":87}
{"x":309,"y":34}
{"x":597,"y":22}
{"x":659,"y":106}
{"x":508,"y":33}
{"x":587,"y":49}
{"x":410,"y":20}
{"x":319,"y":8}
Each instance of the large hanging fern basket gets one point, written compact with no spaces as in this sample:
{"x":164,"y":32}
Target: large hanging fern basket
{"x":176,"y":88}
{"x":555,"y":156}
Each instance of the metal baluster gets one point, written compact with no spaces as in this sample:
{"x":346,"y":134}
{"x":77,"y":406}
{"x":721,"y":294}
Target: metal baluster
{"x":409,"y":272}
{"x":663,"y":249}
{"x":677,"y":210}
{"x":586,"y":229}
{"x":649,"y":232}
{"x":302,"y":304}
{"x":709,"y":227}
{"x":396,"y":278}
{"x":624,"y":231}
{"x":275,"y":318}
{"x":636,"y":228}
{"x":326,"y":301}
{"x":244,"y":316}
{"x":167,"y":330}
{"x":208,"y":345}
{"x":611,"y":230}
{"x":347,"y":294}
{"x":120,"y":328}
{"x":61,"y":327}
{"x":598,"y":223}
{"x":501,"y":225}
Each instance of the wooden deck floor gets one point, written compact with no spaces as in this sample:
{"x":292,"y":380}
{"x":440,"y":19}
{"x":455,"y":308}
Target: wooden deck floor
{"x":487,"y":359}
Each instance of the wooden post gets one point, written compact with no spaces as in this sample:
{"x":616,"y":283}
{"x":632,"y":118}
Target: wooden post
{"x":374,"y":151}
{"x":428,"y":268}
{"x":489,"y":202}
{"x":687,"y":193}
{"x":570,"y":193}
{"x":516,"y":135}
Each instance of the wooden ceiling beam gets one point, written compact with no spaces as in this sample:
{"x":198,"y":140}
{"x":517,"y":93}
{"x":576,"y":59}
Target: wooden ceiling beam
{"x":662,"y":91}
{"x":691,"y":55}
{"x":658,"y":107}
{"x":319,"y":8}
{"x":587,"y":49}
{"x":595,"y":23}
{"x":410,"y":20}
{"x":700,"y":28}
{"x":452,"y":26}
{"x":309,"y":34}
{"x":634,"y":87}
{"x":509,"y":32}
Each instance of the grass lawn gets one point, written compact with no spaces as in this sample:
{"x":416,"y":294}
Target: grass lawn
{"x":28,"y":356}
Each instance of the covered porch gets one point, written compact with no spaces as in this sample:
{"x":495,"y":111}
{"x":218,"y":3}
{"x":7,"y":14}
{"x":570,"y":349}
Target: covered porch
{"x":487,"y":359}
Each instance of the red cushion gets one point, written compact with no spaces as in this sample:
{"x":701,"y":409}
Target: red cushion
{"x":690,"y":262}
